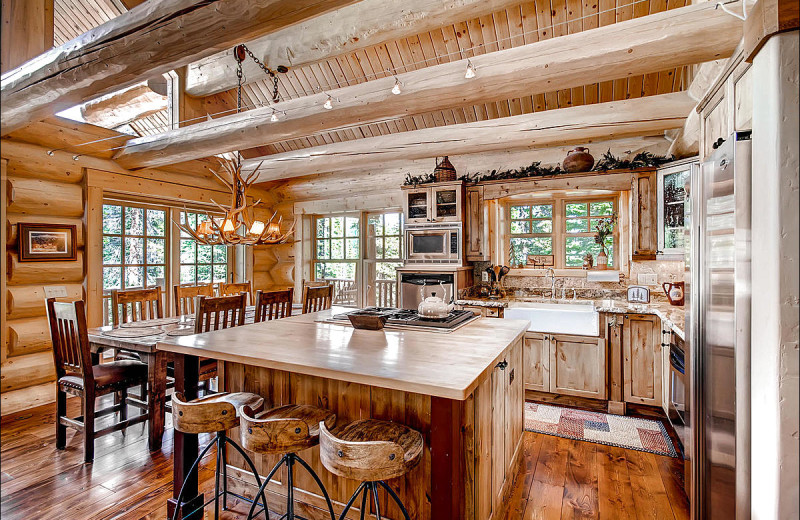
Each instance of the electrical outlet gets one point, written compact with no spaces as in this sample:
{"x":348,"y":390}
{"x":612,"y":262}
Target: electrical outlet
{"x":484,"y":276}
{"x":55,"y":291}
{"x":648,"y":279}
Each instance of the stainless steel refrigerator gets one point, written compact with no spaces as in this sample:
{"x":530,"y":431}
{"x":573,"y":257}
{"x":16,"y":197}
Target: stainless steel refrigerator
{"x":718,"y":266}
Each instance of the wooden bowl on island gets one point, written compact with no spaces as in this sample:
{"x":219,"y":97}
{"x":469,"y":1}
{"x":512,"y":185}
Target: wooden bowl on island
{"x":366,"y":320}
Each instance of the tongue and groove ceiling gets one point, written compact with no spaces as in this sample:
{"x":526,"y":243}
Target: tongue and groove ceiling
{"x":518,"y":25}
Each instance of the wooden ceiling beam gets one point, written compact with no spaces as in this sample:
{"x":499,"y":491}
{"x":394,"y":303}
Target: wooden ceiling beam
{"x":657,"y":42}
{"x":143,"y":43}
{"x":124,"y":106}
{"x":641,"y":116}
{"x":342,"y":31}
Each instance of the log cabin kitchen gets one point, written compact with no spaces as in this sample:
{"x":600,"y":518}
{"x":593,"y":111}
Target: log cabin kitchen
{"x":400,"y":259}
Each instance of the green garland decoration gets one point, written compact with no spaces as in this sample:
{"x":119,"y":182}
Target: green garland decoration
{"x":607,"y":162}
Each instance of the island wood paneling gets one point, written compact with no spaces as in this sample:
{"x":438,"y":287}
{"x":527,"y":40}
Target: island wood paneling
{"x":472,"y":445}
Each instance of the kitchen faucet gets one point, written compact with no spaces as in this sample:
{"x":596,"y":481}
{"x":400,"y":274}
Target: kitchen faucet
{"x":552,"y":274}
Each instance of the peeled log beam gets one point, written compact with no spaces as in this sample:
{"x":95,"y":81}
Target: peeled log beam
{"x":27,"y":301}
{"x":27,"y":336}
{"x":642,"y":116}
{"x":12,"y":228}
{"x":41,"y":197}
{"x":30,"y":160}
{"x":124,"y":107}
{"x":51,"y":273}
{"x":660,"y":41}
{"x":143,"y":43}
{"x":342,"y":31}
{"x":24,"y":371}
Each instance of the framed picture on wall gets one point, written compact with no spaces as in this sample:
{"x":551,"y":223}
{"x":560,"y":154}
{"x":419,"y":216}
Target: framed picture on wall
{"x":47,"y":242}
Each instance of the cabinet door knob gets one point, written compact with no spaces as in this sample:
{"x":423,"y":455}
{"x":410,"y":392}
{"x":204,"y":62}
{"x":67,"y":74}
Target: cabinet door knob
{"x":502,"y":365}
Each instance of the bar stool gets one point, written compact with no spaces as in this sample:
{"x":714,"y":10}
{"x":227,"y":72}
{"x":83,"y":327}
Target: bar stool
{"x":371,"y":451}
{"x":286,"y":429}
{"x":216,"y":413}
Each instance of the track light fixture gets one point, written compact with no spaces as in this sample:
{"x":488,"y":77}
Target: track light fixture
{"x":274,"y":116}
{"x":328,"y":103}
{"x":51,"y":152}
{"x":396,"y":88}
{"x":470,"y":70}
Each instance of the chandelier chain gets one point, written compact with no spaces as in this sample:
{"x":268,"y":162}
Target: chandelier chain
{"x":268,"y":71}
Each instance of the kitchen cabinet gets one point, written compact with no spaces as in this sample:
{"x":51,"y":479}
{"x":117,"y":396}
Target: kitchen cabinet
{"x":437,"y":202}
{"x":642,"y":359}
{"x":498,"y":436}
{"x":578,"y":366}
{"x":537,"y":362}
{"x":477,"y":225}
{"x":486,"y":312}
{"x":565,"y":364}
{"x":644,"y":209}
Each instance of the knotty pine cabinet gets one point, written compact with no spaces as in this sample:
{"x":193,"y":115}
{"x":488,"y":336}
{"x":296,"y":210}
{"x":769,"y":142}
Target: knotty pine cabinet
{"x":644,"y":215}
{"x":642,"y":359}
{"x":498,"y":442}
{"x":477,"y":225}
{"x":437,"y":202}
{"x":565,"y":364}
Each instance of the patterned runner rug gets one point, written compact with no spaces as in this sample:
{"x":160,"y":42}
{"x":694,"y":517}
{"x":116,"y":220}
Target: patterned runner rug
{"x":614,"y":430}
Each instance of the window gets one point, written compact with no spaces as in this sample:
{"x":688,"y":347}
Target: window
{"x":200,"y":263}
{"x":142,"y":249}
{"x":359,"y":277}
{"x":562,"y":227}
{"x":134,"y":248}
{"x":671,"y":198}
{"x":384,"y":251}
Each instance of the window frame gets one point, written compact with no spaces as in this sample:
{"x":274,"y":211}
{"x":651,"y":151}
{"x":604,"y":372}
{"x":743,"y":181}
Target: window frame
{"x":689,"y":166}
{"x":172,"y":238}
{"x":178,"y":263}
{"x":559,"y":235}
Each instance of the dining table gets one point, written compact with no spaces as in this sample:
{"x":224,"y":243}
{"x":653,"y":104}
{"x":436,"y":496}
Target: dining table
{"x":142,"y":337}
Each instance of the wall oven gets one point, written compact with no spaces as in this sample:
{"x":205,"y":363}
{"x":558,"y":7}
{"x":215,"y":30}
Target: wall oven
{"x":433,"y":244}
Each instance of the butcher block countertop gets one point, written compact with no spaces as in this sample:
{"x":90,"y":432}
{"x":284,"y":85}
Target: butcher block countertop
{"x":431,"y":363}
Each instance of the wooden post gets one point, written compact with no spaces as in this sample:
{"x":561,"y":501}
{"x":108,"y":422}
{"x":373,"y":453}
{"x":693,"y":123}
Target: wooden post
{"x":27,"y":31}
{"x":94,"y":256}
{"x":448,"y":467}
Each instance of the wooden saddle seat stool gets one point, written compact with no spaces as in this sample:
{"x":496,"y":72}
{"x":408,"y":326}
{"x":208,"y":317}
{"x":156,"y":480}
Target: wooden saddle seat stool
{"x":77,"y":375}
{"x":373,"y":452}
{"x":216,"y":414}
{"x":285,"y":430}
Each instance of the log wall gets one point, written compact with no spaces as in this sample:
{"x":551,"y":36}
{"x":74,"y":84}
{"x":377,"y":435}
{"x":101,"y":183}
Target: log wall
{"x":40,"y":189}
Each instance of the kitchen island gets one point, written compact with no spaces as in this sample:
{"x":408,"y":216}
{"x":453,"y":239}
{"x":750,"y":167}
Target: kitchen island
{"x":463,"y":390}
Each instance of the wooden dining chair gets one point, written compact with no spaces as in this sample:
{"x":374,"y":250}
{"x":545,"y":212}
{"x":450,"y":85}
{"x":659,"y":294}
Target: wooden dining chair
{"x":214,"y":313}
{"x":229,"y":289}
{"x":185,"y":296}
{"x":136,"y":305}
{"x":317,"y":298}
{"x":273,"y":305}
{"x":76,"y":375}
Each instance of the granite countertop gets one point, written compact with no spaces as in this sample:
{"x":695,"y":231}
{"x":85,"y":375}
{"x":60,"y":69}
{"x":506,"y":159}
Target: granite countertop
{"x":673,"y":317}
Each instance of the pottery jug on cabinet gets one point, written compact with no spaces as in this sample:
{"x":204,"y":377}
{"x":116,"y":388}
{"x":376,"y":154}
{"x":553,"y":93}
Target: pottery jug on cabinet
{"x":674,"y":292}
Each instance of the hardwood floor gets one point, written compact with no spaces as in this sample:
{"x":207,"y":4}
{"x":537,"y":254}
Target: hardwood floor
{"x":558,"y":478}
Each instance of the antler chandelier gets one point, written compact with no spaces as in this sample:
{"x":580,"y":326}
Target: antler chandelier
{"x":237,"y":227}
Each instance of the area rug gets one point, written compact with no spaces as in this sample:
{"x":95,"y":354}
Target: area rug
{"x":614,"y":430}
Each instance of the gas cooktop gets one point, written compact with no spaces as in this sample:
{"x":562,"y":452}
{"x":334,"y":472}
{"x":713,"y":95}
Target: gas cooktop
{"x":402,"y":318}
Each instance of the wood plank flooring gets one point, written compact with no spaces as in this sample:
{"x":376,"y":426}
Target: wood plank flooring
{"x":558,"y":478}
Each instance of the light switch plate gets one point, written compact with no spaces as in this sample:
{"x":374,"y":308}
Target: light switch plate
{"x":484,"y":276}
{"x":648,"y":279}
{"x":55,"y":291}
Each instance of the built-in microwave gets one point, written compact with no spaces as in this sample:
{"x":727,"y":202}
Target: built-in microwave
{"x":433,"y":244}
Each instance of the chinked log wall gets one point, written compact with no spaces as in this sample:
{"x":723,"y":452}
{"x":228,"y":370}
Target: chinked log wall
{"x":59,"y":190}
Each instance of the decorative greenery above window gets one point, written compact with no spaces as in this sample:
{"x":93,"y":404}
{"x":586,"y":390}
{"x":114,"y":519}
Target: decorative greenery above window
{"x":562,"y":227}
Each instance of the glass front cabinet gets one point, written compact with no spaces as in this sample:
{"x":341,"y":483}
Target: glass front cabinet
{"x":671,"y":196}
{"x":439,"y":202}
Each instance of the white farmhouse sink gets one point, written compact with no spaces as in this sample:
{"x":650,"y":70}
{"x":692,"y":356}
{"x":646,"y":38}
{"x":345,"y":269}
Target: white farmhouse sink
{"x":557,"y":318}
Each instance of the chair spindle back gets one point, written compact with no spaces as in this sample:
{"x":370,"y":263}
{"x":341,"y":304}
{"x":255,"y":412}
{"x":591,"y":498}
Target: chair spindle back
{"x":317,"y":298}
{"x":70,"y":341}
{"x":219,"y":313}
{"x":185,"y":297}
{"x":136,"y":305}
{"x":273,"y":305}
